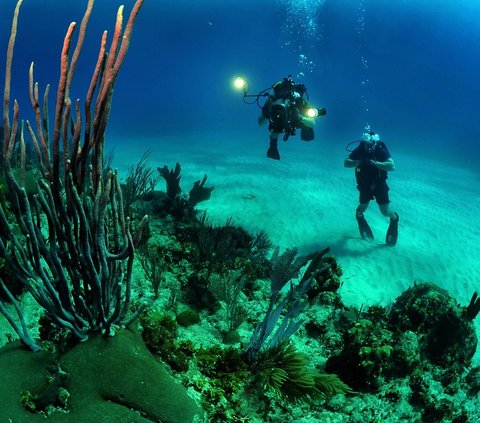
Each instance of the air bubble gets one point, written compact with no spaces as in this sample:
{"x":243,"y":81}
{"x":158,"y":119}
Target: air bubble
{"x":302,"y":27}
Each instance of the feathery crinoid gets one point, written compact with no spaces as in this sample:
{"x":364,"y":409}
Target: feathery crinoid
{"x":330,"y":384}
{"x":285,"y":370}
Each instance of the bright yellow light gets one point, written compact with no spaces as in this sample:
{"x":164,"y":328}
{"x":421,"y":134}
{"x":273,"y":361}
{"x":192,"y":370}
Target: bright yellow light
{"x":312,"y":112}
{"x":240,"y":83}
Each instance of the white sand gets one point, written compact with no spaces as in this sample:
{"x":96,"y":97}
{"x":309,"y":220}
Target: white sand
{"x":308,"y":200}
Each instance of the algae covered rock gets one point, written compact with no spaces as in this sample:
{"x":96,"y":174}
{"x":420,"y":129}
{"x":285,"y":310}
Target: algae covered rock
{"x":445,"y":336}
{"x":113,"y":379}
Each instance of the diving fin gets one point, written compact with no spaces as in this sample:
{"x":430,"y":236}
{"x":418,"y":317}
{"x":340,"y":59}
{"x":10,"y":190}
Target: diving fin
{"x":392,"y":231}
{"x":307,"y":134}
{"x":364,"y":228}
{"x":272,"y":152}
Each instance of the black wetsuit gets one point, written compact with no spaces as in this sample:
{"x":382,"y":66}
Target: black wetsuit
{"x":282,"y":109}
{"x":371,"y":181}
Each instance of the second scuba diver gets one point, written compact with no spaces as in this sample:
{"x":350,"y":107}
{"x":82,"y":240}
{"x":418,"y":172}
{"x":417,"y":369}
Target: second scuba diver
{"x":372,"y":162}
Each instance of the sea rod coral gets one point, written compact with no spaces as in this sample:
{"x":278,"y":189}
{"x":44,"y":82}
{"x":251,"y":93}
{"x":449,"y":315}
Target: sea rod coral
{"x":71,"y":247}
{"x":69,"y":244}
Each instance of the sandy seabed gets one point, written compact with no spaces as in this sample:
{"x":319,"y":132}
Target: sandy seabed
{"x":308,"y":200}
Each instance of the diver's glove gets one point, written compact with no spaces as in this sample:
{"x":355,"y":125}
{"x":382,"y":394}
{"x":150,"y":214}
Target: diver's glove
{"x":369,"y":162}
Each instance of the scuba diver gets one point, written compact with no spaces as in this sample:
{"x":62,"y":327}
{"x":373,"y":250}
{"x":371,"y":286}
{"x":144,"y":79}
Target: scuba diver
{"x":286,"y":109}
{"x":372,"y":162}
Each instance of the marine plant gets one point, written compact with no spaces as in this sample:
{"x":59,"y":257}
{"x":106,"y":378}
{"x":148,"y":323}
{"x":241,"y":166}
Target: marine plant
{"x":445,"y":329}
{"x":227,"y":373}
{"x":153,"y":264}
{"x":217,"y":245}
{"x":78,"y":266}
{"x":177,"y":204}
{"x":172,"y":180}
{"x":140,"y":181}
{"x":160,"y":336}
{"x":72,"y":248}
{"x":286,"y":309}
{"x":286,"y":371}
{"x":366,"y":356}
{"x":276,"y":364}
{"x":227,"y":289}
{"x":188,"y":317}
{"x":473,"y":308}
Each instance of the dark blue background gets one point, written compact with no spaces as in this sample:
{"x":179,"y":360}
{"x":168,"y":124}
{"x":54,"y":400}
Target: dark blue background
{"x":423,"y":59}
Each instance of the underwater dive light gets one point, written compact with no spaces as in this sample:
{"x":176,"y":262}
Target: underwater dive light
{"x":311,"y":112}
{"x":240,"y":83}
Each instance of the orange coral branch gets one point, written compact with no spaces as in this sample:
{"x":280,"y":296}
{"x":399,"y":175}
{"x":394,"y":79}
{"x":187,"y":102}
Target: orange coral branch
{"x":62,"y":83}
{"x":78,"y":47}
{"x":127,"y":36}
{"x":8,"y":79}
{"x":41,"y":147}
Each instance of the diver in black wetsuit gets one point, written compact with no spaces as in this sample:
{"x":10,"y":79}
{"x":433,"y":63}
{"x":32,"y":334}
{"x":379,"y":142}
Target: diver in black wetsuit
{"x":284,"y":109}
{"x":372,"y":162}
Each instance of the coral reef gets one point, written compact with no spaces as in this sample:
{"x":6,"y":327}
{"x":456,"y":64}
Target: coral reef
{"x":254,"y":334}
{"x":446,"y":335}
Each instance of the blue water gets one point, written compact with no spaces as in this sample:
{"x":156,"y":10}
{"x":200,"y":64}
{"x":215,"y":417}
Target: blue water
{"x":408,"y":68}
